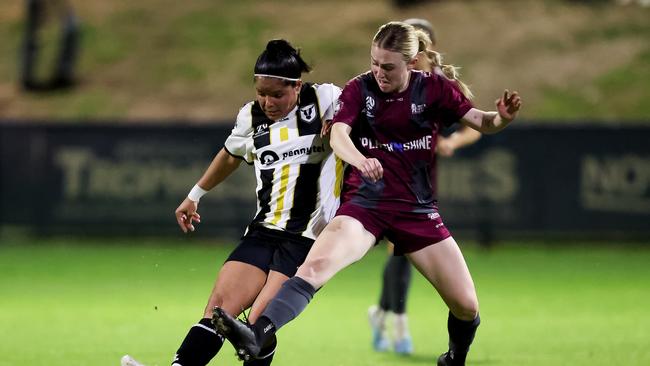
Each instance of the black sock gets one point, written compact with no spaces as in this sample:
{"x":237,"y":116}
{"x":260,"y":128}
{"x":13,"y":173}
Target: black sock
{"x":461,"y":336}
{"x":290,"y":301}
{"x":200,"y":345}
{"x":384,"y":296}
{"x":264,"y":330}
{"x":265,"y":356}
{"x":397,"y":280}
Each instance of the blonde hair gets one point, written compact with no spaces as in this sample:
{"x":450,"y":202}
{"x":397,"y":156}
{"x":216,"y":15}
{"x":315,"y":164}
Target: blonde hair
{"x":401,"y":38}
{"x":408,"y":41}
{"x":449,"y":71}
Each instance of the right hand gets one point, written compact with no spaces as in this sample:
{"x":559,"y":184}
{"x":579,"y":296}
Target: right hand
{"x":186,"y":214}
{"x":444,"y":147}
{"x":508,"y":105}
{"x":371,"y":168}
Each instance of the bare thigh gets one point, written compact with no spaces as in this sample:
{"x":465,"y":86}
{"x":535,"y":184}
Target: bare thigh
{"x":343,"y":242}
{"x":236,"y":287}
{"x":445,"y":268}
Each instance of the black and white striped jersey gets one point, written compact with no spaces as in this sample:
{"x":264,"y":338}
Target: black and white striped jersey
{"x":298,"y":176}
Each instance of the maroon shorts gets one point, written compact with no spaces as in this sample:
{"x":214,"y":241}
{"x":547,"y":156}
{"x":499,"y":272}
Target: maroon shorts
{"x":409,"y":231}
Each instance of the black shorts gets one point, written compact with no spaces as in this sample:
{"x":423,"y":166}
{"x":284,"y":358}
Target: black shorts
{"x":274,"y":250}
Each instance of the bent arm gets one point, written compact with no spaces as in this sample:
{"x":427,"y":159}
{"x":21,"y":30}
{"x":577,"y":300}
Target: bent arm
{"x":343,"y":146}
{"x":484,"y":122}
{"x":221,"y":167}
{"x":492,"y":122}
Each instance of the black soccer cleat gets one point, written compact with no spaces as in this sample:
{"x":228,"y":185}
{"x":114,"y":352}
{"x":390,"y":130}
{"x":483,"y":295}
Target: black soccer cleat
{"x":446,"y":359}
{"x":236,"y":332}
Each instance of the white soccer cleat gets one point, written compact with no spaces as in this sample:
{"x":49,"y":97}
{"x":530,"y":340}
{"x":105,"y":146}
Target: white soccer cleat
{"x":377,"y":320}
{"x":129,"y":361}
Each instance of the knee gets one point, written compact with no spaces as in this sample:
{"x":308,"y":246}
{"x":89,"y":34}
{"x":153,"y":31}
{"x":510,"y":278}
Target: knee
{"x":314,"y":271}
{"x":217,"y":299}
{"x":465,"y":308}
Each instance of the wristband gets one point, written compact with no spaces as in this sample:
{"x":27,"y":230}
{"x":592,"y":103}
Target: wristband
{"x":196,"y":193}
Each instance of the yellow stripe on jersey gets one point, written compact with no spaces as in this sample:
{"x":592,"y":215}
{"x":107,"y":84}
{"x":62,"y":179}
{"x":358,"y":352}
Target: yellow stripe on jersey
{"x":284,"y":133}
{"x":338,"y":183}
{"x":284,"y":182}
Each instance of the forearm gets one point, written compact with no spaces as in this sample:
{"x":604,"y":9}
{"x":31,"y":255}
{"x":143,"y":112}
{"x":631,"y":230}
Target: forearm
{"x":220,"y":168}
{"x":343,"y":146}
{"x":484,"y":122}
{"x":463,"y":137}
{"x":493,"y":122}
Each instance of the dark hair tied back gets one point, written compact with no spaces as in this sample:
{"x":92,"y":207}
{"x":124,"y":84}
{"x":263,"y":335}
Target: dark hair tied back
{"x":281,"y":59}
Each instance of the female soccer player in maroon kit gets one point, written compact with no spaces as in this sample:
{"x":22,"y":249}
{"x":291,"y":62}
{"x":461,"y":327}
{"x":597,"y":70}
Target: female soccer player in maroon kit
{"x":396,"y":276}
{"x":386,"y":129}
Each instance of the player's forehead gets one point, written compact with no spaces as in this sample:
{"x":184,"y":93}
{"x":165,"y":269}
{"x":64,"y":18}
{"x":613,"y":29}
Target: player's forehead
{"x":383,"y":56}
{"x":268,"y":85}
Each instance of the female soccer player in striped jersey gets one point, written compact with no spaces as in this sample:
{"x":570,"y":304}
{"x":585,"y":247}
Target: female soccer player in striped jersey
{"x":385,"y":130}
{"x":297,"y":179}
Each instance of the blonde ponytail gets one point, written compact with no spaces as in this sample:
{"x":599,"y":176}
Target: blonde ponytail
{"x":449,"y":71}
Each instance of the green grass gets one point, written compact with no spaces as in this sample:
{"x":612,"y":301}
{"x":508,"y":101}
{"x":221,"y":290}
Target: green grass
{"x":88,"y":302}
{"x":192,"y":60}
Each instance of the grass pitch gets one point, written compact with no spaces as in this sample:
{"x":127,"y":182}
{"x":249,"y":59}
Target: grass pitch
{"x":88,"y":302}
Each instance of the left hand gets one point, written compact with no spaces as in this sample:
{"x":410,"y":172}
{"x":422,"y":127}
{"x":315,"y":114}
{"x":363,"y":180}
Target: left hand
{"x":508,"y":106}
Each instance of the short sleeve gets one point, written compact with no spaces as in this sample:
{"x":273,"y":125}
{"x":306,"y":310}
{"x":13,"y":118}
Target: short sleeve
{"x":328,"y":96}
{"x":240,"y":142}
{"x":349,"y":103}
{"x":450,"y":102}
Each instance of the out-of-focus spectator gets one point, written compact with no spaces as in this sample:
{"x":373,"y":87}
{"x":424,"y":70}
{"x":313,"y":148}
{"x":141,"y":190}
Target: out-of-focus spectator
{"x":38,"y":13}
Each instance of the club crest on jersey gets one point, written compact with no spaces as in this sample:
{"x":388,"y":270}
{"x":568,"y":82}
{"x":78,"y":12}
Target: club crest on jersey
{"x":308,"y":113}
{"x":370,"y":107}
{"x":268,"y":157}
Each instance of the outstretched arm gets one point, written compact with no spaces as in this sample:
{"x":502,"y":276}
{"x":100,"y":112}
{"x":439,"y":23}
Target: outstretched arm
{"x":344,"y":148}
{"x":221,"y":167}
{"x":492,"y":122}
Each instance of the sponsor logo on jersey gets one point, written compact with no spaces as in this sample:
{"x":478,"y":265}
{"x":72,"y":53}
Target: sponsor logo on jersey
{"x":338,"y":106}
{"x":261,"y":129}
{"x":303,"y":151}
{"x":269,"y":157}
{"x":433,"y":215}
{"x":423,"y":143}
{"x":417,"y":108}
{"x":370,"y":107}
{"x":308,"y":113}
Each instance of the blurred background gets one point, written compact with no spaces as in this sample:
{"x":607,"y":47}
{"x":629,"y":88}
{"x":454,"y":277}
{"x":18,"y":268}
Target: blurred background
{"x":111,"y":110}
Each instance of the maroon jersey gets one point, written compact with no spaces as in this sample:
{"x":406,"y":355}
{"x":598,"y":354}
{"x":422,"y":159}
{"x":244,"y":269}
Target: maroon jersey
{"x":399,"y":130}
